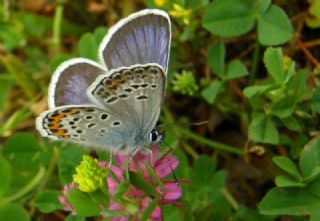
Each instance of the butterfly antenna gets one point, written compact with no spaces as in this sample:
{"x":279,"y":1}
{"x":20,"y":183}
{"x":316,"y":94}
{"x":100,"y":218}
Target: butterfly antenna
{"x":165,"y":145}
{"x":182,"y":124}
{"x":173,"y":174}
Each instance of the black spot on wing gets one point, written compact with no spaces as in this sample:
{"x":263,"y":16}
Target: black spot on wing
{"x":142,"y":97}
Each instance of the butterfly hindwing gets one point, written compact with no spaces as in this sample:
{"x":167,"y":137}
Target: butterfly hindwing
{"x":138,"y":91}
{"x":88,"y":125}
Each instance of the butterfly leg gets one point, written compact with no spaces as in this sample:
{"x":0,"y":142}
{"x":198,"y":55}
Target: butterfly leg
{"x":110,"y":159}
{"x":148,"y":151}
{"x":135,"y":152}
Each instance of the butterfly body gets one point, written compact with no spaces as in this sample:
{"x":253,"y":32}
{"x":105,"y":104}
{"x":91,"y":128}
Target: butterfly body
{"x":113,"y":105}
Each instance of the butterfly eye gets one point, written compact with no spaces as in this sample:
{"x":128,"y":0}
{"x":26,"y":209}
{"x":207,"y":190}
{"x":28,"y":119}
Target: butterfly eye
{"x":155,"y":136}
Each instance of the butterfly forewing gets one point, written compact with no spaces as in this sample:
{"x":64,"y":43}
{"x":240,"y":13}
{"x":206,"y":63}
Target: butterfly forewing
{"x":71,"y":80}
{"x":142,"y":38}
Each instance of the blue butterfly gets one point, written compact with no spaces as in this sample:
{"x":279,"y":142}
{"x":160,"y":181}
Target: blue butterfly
{"x":114,"y":104}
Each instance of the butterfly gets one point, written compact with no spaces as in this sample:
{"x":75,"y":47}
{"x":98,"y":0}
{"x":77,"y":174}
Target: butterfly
{"x":114,"y":104}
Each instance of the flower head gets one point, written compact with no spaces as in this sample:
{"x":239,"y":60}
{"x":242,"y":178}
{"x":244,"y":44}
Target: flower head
{"x":185,"y":83}
{"x":160,"y":3}
{"x":89,"y":175}
{"x":161,"y":167}
{"x":180,"y":12}
{"x":124,"y":200}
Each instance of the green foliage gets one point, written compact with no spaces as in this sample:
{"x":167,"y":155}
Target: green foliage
{"x":283,"y":93}
{"x":274,"y":20}
{"x":233,"y":18}
{"x":89,"y":43}
{"x":13,"y":212}
{"x":298,"y":191}
{"x":241,"y":18}
{"x":313,"y":20}
{"x":83,"y":204}
{"x":231,"y":70}
{"x":48,"y":202}
{"x":273,"y":60}
{"x":263,"y":129}
{"x":20,"y":147}
{"x":208,"y":201}
{"x":70,"y":157}
{"x":225,"y":72}
{"x":211,"y":91}
{"x":5,"y":173}
{"x":6,"y":86}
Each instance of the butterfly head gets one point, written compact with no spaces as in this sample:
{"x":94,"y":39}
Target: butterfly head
{"x":143,"y":142}
{"x":155,"y":137}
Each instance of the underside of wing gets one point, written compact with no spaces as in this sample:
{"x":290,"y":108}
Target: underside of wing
{"x":70,"y":81}
{"x":137,"y":92}
{"x":143,"y":37}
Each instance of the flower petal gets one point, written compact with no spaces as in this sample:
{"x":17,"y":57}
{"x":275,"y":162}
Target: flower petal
{"x":118,"y":172}
{"x":165,"y":166}
{"x":119,"y":218}
{"x":165,"y":155}
{"x":112,"y":185}
{"x":114,"y":206}
{"x":173,"y":191}
{"x":120,"y":159}
{"x":102,"y":164}
{"x":156,"y":213}
{"x":136,"y":192}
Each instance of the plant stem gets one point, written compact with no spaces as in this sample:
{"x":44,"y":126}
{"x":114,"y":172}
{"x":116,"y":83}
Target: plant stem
{"x":230,"y":199}
{"x":190,"y":151}
{"x":254,"y":69}
{"x":255,"y":61}
{"x":27,"y":188}
{"x":56,"y":40}
{"x":6,"y":10}
{"x":211,"y":143}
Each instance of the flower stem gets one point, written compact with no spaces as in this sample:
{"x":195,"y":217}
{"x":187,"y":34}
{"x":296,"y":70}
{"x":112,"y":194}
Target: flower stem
{"x":233,"y":203}
{"x":27,"y":188}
